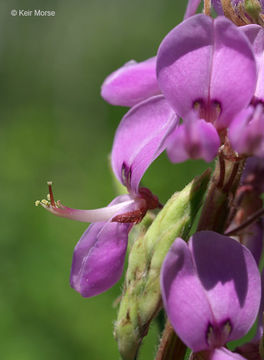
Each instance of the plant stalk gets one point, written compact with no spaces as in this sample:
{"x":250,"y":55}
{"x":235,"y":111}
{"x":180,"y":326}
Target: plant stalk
{"x":221,"y":190}
{"x":171,"y":347}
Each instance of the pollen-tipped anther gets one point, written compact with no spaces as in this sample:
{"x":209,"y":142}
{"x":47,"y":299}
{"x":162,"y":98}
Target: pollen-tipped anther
{"x":96,"y":215}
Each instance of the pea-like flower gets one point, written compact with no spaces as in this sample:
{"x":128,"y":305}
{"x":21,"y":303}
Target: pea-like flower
{"x":99,"y":256}
{"x":211,"y":291}
{"x":247,"y":129}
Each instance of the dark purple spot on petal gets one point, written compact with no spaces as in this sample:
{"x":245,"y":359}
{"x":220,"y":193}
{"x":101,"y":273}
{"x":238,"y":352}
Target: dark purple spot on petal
{"x":209,"y":111}
{"x":217,"y":335}
{"x":126,"y":175}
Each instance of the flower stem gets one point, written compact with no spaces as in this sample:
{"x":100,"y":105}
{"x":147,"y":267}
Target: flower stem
{"x":171,"y":347}
{"x":253,"y":218}
{"x":221,"y":191}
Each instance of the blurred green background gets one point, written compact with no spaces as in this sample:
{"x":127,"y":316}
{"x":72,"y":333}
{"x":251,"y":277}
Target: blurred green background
{"x":55,"y":126}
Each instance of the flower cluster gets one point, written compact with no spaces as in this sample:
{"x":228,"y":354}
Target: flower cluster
{"x":211,"y":74}
{"x":201,"y":96}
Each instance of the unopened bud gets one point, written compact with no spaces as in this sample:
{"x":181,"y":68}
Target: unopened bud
{"x":141,"y":298}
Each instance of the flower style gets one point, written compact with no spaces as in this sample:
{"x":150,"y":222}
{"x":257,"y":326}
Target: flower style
{"x":99,"y":256}
{"x":211,"y":291}
{"x":202,"y":66}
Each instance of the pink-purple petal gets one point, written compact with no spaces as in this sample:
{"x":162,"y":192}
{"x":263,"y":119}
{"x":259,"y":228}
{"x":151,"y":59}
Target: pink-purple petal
{"x":192,"y":7}
{"x":197,"y":139}
{"x":224,"y":354}
{"x":246,"y":132}
{"x":238,"y":130}
{"x":140,"y":138}
{"x":231,"y":279}
{"x":255,"y":34}
{"x":217,"y":5}
{"x":184,"y":298}
{"x":98,"y":258}
{"x":176,"y":149}
{"x":211,"y":290}
{"x":210,"y":62}
{"x":131,"y":84}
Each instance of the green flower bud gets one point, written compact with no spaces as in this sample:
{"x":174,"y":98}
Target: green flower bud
{"x":141,"y":298}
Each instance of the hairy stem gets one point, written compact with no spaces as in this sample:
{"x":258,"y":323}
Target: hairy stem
{"x":171,"y":347}
{"x":221,"y":191}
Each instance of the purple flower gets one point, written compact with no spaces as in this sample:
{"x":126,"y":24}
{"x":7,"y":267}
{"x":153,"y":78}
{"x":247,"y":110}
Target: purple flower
{"x":246,"y":132}
{"x":211,"y":291}
{"x":99,"y":256}
{"x":206,"y":72}
{"x":206,"y":68}
{"x":255,"y":35}
{"x":136,"y":81}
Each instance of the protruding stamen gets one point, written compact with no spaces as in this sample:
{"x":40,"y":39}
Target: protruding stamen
{"x":97,"y":215}
{"x":51,"y":197}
